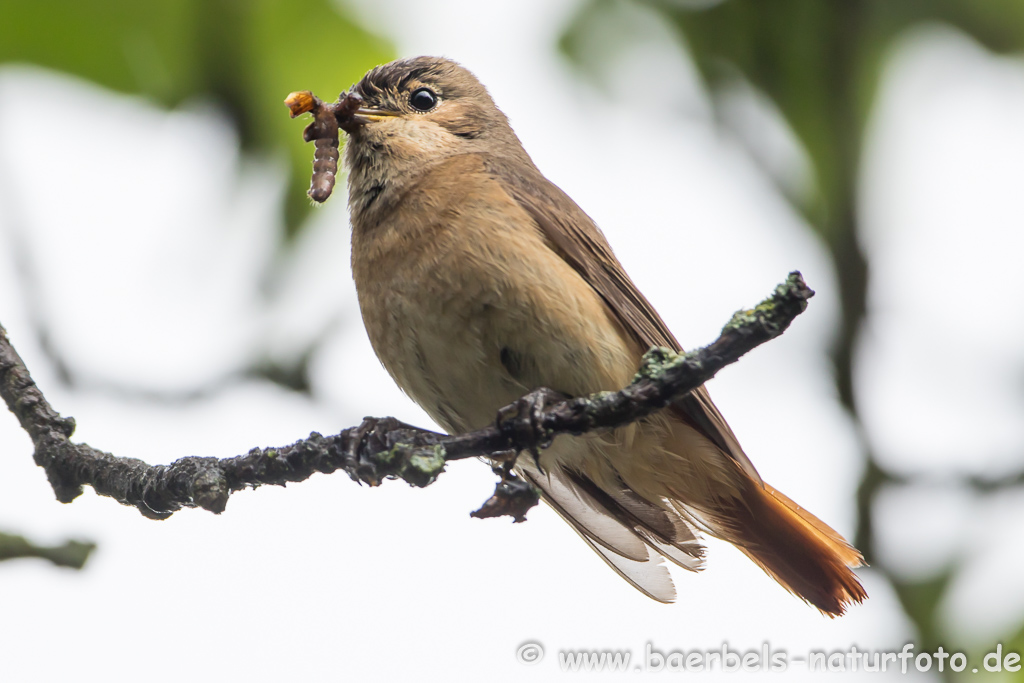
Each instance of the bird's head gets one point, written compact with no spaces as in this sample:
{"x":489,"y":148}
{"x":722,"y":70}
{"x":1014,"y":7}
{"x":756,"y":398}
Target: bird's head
{"x":426,"y":107}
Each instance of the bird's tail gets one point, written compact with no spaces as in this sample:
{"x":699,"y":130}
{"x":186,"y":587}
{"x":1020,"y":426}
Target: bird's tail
{"x":806,"y":556}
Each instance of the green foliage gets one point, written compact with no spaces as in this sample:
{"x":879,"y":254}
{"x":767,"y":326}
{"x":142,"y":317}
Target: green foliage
{"x":245,"y":55}
{"x":921,"y":600}
{"x":1015,"y":644}
{"x":820,"y":64}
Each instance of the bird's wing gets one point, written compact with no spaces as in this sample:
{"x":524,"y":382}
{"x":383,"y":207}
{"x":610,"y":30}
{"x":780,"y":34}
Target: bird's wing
{"x":593,"y":520}
{"x":650,"y":577}
{"x":577,"y":239}
{"x":631,"y":537}
{"x":670,"y":534}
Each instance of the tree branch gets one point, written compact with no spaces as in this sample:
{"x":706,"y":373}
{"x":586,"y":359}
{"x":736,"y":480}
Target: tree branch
{"x":385,"y":448}
{"x":71,"y":554}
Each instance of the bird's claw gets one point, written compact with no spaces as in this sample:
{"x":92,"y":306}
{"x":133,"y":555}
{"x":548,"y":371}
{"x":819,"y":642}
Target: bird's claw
{"x":522,"y":421}
{"x":355,"y":465}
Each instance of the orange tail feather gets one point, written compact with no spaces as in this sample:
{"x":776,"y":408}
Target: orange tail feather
{"x":795,"y":548}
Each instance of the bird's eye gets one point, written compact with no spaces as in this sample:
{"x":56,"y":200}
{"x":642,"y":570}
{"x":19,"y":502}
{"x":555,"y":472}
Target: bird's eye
{"x":423,"y":99}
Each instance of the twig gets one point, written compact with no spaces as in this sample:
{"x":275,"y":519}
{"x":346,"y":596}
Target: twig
{"x":71,"y":554}
{"x":384,"y":448}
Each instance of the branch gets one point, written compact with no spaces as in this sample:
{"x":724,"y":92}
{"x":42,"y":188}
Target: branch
{"x":385,"y":448}
{"x":71,"y":554}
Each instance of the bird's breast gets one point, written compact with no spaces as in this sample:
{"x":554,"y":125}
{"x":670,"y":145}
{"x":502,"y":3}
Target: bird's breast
{"x":468,"y":307}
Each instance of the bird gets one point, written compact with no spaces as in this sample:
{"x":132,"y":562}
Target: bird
{"x":479,"y":281}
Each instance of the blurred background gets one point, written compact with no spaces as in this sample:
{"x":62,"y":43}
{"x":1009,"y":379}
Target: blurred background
{"x":169,"y":285}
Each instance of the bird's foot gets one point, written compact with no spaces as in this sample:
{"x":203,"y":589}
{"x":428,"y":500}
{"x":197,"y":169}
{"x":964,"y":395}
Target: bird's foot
{"x":522,"y":422}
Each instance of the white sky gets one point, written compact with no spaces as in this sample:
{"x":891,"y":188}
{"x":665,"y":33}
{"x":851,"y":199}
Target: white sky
{"x":150,"y":268}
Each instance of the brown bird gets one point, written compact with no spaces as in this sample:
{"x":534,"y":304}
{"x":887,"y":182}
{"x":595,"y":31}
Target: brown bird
{"x":480,"y":281}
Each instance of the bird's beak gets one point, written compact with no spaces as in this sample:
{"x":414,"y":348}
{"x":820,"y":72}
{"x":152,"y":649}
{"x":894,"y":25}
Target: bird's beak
{"x":369,"y":114}
{"x":362,"y":116}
